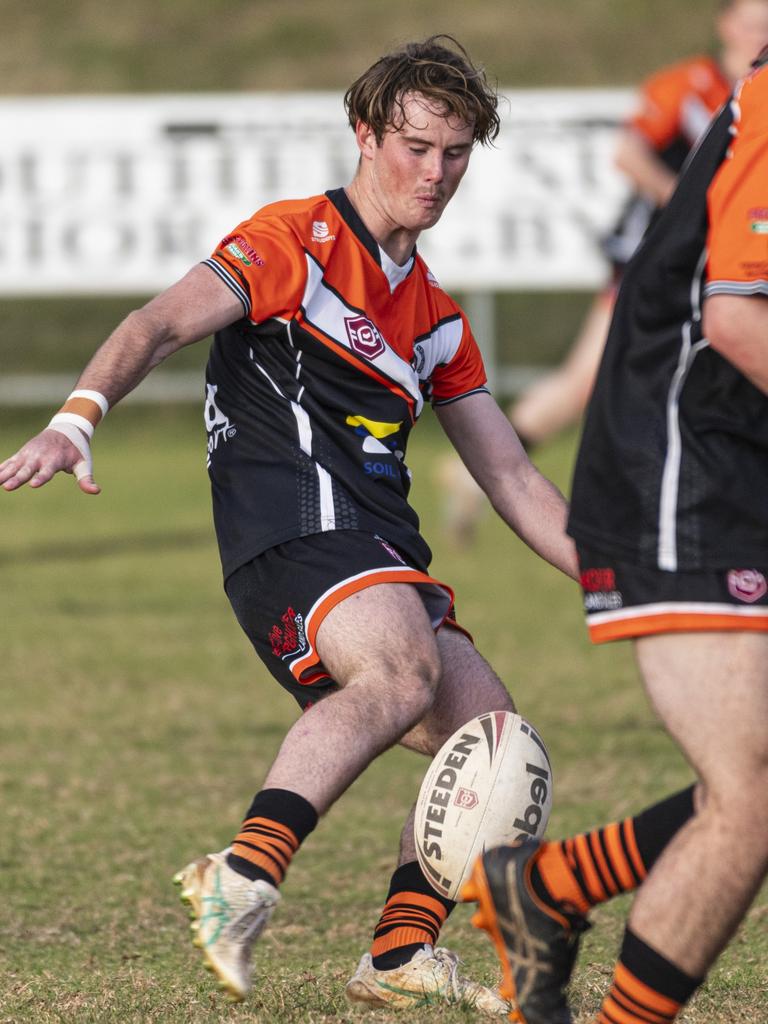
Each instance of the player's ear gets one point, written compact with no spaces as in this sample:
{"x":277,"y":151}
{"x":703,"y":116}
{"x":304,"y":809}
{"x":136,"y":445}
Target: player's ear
{"x":366,"y":139}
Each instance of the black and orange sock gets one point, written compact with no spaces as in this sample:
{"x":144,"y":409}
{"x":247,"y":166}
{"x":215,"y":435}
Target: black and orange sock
{"x":277,"y":823}
{"x":412,"y":917}
{"x":646,"y":987}
{"x":588,"y":869}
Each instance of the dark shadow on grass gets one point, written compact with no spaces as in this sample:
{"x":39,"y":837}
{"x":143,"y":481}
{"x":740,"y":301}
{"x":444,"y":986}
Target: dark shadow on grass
{"x":108,"y":547}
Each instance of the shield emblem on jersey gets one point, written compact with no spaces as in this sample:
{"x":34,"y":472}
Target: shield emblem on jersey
{"x":363,"y":336}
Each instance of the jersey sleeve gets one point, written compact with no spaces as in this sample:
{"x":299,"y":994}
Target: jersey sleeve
{"x":737,"y":243}
{"x":657,"y":117}
{"x":459,"y":371}
{"x":262,"y":262}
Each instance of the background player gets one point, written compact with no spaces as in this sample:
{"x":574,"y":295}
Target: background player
{"x":330,"y":331}
{"x":669,"y":512}
{"x":675,"y":106}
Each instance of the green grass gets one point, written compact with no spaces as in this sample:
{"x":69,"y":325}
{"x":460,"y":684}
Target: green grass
{"x":136,"y":724}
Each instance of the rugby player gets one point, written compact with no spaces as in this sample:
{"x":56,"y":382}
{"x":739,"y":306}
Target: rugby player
{"x":674,"y":107}
{"x":670,"y":517}
{"x":330,"y":334}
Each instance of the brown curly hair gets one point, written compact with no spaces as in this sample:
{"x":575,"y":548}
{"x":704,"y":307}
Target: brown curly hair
{"x":444,"y":74}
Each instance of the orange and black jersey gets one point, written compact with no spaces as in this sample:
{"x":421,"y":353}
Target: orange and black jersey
{"x":672,"y":466}
{"x":311,"y":396}
{"x":675,"y":106}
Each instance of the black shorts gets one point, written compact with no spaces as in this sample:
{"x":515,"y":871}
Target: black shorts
{"x":623,"y":601}
{"x":281,"y":597}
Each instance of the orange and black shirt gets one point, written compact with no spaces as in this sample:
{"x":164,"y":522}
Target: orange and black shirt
{"x":674,"y":108}
{"x":311,"y":395}
{"x":672,"y":470}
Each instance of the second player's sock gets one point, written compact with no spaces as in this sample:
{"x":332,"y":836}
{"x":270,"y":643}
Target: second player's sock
{"x":277,"y":823}
{"x":592,"y":868}
{"x":412,"y":917}
{"x":646,"y":987}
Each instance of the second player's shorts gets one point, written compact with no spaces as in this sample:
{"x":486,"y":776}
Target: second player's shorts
{"x":622,"y":601}
{"x":281,"y":597}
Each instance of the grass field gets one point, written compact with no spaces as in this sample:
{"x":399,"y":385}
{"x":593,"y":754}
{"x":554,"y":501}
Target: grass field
{"x":136,"y":724}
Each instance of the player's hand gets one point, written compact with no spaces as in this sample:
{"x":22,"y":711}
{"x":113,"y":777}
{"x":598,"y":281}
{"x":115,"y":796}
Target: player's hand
{"x":39,"y":460}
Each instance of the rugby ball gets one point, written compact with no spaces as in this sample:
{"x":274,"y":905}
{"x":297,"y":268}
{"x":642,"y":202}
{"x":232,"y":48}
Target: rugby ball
{"x":491,"y":783}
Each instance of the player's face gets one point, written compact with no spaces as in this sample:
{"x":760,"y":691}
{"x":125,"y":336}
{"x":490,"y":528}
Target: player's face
{"x":416,"y":169}
{"x":743,"y":30}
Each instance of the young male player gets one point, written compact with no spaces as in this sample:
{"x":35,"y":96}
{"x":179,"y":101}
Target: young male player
{"x":670,"y":516}
{"x":330,"y":334}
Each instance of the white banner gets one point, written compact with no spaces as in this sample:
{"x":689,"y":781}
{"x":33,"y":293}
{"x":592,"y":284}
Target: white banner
{"x":124,"y":194}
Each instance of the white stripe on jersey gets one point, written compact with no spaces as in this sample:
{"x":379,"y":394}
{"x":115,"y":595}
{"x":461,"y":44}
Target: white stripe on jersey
{"x":304,"y":428}
{"x":328,"y":312}
{"x":670,"y":480}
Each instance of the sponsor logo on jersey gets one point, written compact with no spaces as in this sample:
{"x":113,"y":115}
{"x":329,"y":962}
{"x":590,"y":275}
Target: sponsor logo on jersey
{"x":747,"y":585}
{"x":374,"y":434}
{"x":242,"y":250}
{"x":419,"y":359}
{"x":220,"y":428}
{"x":288,"y":637}
{"x":321,"y":232}
{"x":432,"y":279}
{"x":364,"y":336}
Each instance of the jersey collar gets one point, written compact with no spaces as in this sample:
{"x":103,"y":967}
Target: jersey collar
{"x":394,"y":273}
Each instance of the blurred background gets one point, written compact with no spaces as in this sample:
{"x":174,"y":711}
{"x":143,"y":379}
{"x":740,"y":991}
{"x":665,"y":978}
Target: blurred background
{"x":117,"y":194}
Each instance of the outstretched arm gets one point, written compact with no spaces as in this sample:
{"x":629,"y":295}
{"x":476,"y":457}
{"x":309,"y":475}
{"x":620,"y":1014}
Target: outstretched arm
{"x":189,"y":310}
{"x":529,"y":503}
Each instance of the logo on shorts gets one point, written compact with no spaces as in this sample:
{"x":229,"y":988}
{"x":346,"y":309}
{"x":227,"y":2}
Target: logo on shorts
{"x":467,"y":799}
{"x":390,"y":550}
{"x":219,"y":426}
{"x":747,"y":585}
{"x":288,"y":637}
{"x":364,"y":336}
{"x":600,"y":593}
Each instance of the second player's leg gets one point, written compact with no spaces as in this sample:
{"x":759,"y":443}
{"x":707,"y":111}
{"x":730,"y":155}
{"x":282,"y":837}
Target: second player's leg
{"x":711,"y":692}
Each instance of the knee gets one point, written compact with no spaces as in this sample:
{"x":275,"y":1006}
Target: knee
{"x":738,"y":800}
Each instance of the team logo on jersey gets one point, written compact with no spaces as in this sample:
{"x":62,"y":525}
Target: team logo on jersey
{"x":431,"y":279}
{"x":321,"y":232}
{"x":220,"y":427}
{"x":747,"y":585}
{"x":288,"y":637}
{"x":364,"y":337}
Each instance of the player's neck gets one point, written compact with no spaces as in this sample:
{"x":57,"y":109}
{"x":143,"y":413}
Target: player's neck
{"x":396,"y":241}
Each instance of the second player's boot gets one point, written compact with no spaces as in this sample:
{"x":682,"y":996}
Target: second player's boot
{"x":536,"y":945}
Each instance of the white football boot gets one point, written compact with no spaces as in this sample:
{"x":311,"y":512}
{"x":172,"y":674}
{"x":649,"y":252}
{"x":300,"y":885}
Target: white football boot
{"x":429,"y":978}
{"x":229,"y":912}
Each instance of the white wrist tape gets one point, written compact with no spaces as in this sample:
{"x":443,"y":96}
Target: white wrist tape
{"x":75,"y":420}
{"x":95,"y":396}
{"x":85,"y":466}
